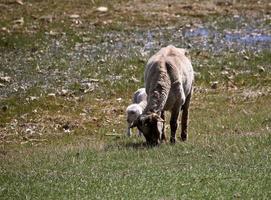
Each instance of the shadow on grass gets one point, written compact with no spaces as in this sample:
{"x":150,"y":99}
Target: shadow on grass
{"x":128,"y":144}
{"x":137,"y":145}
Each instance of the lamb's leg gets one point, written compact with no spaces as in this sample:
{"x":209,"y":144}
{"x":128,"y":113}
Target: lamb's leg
{"x":174,"y":122}
{"x":128,"y":131}
{"x":139,"y":133}
{"x":185,"y":116}
{"x":163,"y":138}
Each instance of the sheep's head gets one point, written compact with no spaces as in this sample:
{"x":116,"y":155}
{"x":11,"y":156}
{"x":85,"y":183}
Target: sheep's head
{"x":133,"y":111}
{"x":151,"y":125}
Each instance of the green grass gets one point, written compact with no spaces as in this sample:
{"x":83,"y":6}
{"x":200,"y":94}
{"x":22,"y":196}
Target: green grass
{"x":220,"y":167}
{"x":227,"y":155}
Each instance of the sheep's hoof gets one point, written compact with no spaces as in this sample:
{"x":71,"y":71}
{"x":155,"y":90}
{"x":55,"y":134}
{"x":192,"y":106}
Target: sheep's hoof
{"x":163,"y":141}
{"x":172,"y":140}
{"x":152,"y":144}
{"x":163,"y":137}
{"x":183,"y":137}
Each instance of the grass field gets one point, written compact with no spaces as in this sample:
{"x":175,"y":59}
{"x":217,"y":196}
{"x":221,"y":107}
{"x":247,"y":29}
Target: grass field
{"x":67,"y":74}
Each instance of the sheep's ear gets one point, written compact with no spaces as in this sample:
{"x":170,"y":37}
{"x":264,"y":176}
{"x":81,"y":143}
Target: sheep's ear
{"x":160,"y":119}
{"x":156,"y":117}
{"x":135,"y":123}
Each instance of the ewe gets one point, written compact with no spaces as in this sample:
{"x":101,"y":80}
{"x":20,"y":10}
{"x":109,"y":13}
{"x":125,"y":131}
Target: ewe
{"x":134,"y":110}
{"x":168,"y":81}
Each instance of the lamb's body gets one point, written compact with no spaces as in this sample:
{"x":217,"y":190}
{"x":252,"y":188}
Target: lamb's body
{"x":134,"y":110}
{"x":168,"y":82}
{"x":140,"y":96}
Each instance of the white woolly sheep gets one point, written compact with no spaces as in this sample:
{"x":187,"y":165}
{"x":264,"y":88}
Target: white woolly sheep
{"x":134,"y":110}
{"x":168,"y":81}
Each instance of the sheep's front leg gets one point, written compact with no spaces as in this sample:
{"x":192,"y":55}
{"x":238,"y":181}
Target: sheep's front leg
{"x":163,"y":137}
{"x":185,"y":116}
{"x":174,"y":123}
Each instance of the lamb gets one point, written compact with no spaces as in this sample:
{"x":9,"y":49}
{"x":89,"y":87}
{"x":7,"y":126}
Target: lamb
{"x":134,"y":110}
{"x":168,"y":81}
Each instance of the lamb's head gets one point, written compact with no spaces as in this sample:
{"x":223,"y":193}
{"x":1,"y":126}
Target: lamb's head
{"x":151,"y":125}
{"x":133,"y":111}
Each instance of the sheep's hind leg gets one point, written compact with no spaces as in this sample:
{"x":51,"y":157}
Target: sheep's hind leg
{"x":174,"y":123}
{"x":185,"y":116}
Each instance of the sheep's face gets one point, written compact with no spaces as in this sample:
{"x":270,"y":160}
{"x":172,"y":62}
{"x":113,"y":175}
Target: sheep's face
{"x":151,"y":126}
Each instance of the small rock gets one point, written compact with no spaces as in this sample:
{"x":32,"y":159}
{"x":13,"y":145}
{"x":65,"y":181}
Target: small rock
{"x":231,"y":85}
{"x":19,"y":21}
{"x":76,"y":21}
{"x":20,"y":2}
{"x":135,"y":80}
{"x":86,"y":39}
{"x":101,"y":60}
{"x":29,"y":131}
{"x":74,"y":16}
{"x":4,"y":29}
{"x":47,"y":18}
{"x":214,"y":84}
{"x":4,"y":108}
{"x":93,"y":80}
{"x":53,"y":33}
{"x":102,"y":9}
{"x":38,"y":69}
{"x":197,"y":74}
{"x":237,"y":195}
{"x":64,"y":92}
{"x":189,"y":45}
{"x":66,"y":126}
{"x":51,"y":95}
{"x":225,"y":72}
{"x":188,"y":7}
{"x":230,"y":77}
{"x":211,"y":73}
{"x":246,"y":57}
{"x":6,"y":79}
{"x":261,"y":69}
{"x":32,"y":98}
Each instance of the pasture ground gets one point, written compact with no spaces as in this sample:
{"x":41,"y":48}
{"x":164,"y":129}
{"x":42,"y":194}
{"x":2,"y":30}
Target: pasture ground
{"x":68,"y":71}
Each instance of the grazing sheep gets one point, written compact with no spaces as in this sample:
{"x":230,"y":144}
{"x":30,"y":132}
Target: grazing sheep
{"x":168,"y":82}
{"x":134,"y":110}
